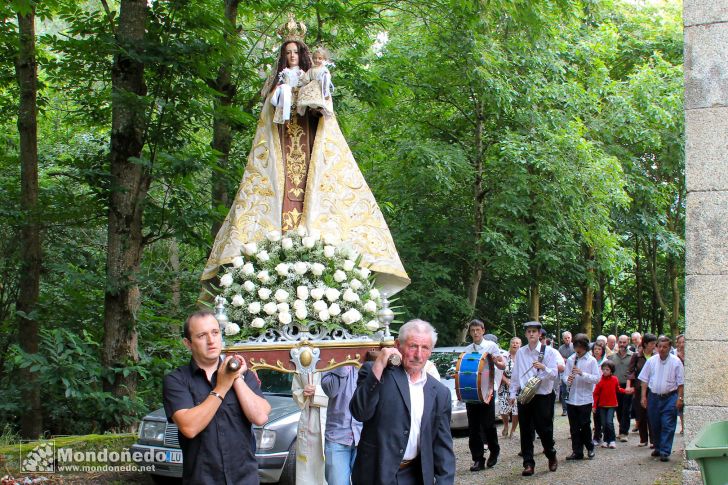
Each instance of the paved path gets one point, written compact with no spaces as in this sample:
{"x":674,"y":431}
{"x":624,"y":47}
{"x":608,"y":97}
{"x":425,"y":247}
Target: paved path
{"x":628,"y":464}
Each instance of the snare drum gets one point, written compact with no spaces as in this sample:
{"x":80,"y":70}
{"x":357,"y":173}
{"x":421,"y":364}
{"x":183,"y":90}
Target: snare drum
{"x":474,"y":377}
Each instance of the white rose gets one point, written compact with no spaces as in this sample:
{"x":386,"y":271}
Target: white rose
{"x":334,"y":309}
{"x":348,"y":265}
{"x":329,"y":251}
{"x":250,"y":248}
{"x":372,"y":325}
{"x":270,"y":308}
{"x":353,"y":255}
{"x":238,"y":261}
{"x":238,"y":300}
{"x":355,"y":284}
{"x":254,"y":308}
{"x":351,"y":316}
{"x":257,"y":323}
{"x":320,"y":305}
{"x":301,"y":313}
{"x":374,"y":293}
{"x":232,"y":329}
{"x":287,"y":243}
{"x":364,"y":272}
{"x":339,"y":276}
{"x":324,"y":315}
{"x":248,"y":268}
{"x":317,"y":269}
{"x":284,"y":318}
{"x":332,"y":294}
{"x":350,"y":295}
{"x":300,"y":267}
{"x":370,"y":306}
{"x":282,"y":269}
{"x":301,"y":231}
{"x":331,"y":239}
{"x":302,"y":292}
{"x":281,"y":295}
{"x":317,"y":293}
{"x":249,"y":286}
{"x":283,"y":308}
{"x":298,"y":304}
{"x":308,"y":242}
{"x":273,"y":236}
{"x":264,"y":293}
{"x":264,"y":277}
{"x":316,"y":235}
{"x":226,"y":280}
{"x":263,"y":256}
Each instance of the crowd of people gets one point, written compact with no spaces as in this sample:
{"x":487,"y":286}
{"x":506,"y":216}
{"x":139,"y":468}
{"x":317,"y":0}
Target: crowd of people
{"x":390,"y":424}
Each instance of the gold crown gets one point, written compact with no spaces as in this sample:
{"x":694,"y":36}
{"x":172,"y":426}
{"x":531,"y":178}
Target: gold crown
{"x":292,"y":30}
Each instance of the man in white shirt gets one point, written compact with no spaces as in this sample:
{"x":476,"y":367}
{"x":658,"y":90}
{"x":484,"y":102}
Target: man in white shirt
{"x":533,"y":360}
{"x":664,"y":378}
{"x":580,"y":377}
{"x":481,"y":416}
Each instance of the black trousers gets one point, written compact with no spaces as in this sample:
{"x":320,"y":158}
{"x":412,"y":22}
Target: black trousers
{"x":481,"y":428}
{"x":412,"y":475}
{"x":538,"y":416}
{"x":624,"y":407}
{"x":580,"y":427}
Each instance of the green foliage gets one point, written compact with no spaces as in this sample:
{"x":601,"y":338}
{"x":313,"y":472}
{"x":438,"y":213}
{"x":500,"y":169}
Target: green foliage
{"x":569,"y":113}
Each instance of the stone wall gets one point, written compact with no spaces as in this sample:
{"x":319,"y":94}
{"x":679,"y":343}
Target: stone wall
{"x":706,"y":169}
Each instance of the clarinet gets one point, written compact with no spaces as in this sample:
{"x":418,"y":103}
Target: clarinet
{"x":570,"y":380}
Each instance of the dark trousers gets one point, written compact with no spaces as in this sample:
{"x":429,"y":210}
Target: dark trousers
{"x":562,"y":396}
{"x":412,"y":475}
{"x":641,"y":416}
{"x":481,"y":428}
{"x":538,"y":416}
{"x":597,"y":427}
{"x":606,"y":417}
{"x":624,"y":408}
{"x":662,"y":411}
{"x":580,"y":427}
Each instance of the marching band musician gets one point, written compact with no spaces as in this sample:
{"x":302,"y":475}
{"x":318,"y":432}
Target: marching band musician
{"x":481,"y":416}
{"x":582,"y":373}
{"x":536,"y":359}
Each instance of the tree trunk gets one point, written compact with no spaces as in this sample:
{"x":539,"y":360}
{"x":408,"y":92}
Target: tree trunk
{"x":587,"y":291}
{"x":638,"y":280}
{"x":534,"y":301}
{"x":599,"y":304}
{"x":31,"y":422}
{"x":476,"y":272}
{"x":176,"y":284}
{"x":129,"y":186}
{"x":222,"y":131}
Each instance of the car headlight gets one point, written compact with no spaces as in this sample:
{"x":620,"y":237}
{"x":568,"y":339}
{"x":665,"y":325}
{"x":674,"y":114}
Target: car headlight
{"x":265,"y":439}
{"x":152,"y":431}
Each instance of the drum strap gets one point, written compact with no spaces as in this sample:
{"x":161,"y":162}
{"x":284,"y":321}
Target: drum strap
{"x":540,"y":359}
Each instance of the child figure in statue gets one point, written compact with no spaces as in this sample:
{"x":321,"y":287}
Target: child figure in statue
{"x":317,"y":87}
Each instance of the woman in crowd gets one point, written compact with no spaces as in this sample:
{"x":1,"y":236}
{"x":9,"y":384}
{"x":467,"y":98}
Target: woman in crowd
{"x":508,"y":411}
{"x":635,"y":367}
{"x":599,"y":351}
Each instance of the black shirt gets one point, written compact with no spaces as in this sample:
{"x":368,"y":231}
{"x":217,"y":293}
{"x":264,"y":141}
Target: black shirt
{"x":224,"y":452}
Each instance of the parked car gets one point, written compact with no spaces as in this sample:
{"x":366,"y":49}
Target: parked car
{"x":275,"y":441}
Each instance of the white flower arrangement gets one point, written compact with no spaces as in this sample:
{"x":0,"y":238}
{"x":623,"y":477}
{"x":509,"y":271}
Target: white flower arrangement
{"x":298,"y":278}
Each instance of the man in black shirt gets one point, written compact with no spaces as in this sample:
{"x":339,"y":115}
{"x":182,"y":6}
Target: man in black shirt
{"x":215,"y":431}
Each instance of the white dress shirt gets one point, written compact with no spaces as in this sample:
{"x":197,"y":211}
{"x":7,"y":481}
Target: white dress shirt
{"x":495,"y":352}
{"x":523,"y":370}
{"x":663,"y":376}
{"x":417,"y":406}
{"x":582,"y":388}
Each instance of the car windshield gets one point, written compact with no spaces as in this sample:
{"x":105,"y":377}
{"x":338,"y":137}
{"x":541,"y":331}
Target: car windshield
{"x":273,"y":382}
{"x":445,"y":363}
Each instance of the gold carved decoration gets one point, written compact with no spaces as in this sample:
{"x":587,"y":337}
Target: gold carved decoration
{"x":332,"y":364}
{"x":262,"y":364}
{"x":296,"y":161}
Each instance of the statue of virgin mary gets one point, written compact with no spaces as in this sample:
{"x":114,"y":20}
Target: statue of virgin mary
{"x":301,"y":173}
